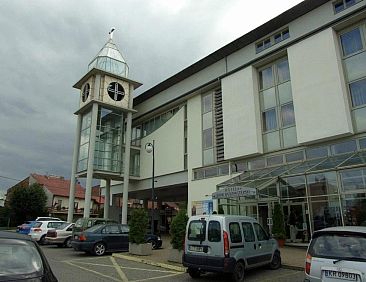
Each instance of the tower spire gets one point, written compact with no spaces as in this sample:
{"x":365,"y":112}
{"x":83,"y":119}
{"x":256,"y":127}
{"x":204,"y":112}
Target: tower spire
{"x":111,"y":33}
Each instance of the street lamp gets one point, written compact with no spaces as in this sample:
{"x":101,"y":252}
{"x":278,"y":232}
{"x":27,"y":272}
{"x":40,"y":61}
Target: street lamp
{"x":149,"y":147}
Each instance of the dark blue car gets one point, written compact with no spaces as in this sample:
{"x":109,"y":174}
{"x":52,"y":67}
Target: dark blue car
{"x":25,"y":227}
{"x":111,"y":237}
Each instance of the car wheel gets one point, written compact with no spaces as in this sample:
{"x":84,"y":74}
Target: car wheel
{"x":194,"y":273}
{"x":238,"y":274}
{"x":99,"y":249}
{"x":42,"y":240}
{"x":67,"y":243}
{"x":276,"y":261}
{"x":153,"y":244}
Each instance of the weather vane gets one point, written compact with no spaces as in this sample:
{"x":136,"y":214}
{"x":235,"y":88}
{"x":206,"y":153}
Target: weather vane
{"x":111,"y":33}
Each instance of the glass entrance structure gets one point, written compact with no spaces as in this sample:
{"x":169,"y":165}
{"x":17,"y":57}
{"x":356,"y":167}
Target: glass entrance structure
{"x":322,"y":193}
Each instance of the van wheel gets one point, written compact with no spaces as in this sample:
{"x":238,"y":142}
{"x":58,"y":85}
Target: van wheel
{"x":194,"y":273}
{"x":99,"y":249}
{"x":276,"y":261}
{"x":238,"y":274}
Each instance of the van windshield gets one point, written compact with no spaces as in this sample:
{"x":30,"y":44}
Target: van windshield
{"x":197,"y":230}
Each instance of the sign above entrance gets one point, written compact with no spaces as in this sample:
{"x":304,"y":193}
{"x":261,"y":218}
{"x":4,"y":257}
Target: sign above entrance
{"x":234,"y":192}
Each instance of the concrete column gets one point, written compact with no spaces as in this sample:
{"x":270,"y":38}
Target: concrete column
{"x":75,"y":157}
{"x":89,"y":174}
{"x":107,"y":197}
{"x":126,"y":168}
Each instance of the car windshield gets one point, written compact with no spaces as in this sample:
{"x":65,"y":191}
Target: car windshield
{"x":197,"y":230}
{"x":79,"y":222}
{"x":339,"y":246}
{"x":93,"y":228}
{"x":37,"y":224}
{"x":18,"y":258}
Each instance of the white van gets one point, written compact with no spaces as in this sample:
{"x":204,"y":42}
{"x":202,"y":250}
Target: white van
{"x":227,"y":243}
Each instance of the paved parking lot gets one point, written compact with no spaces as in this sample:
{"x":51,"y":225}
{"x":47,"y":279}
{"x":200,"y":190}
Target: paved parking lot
{"x":69,"y":265}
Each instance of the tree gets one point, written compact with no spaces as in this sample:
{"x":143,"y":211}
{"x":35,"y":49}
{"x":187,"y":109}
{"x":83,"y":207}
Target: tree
{"x":138,"y":222}
{"x":178,"y":229}
{"x":278,"y":228}
{"x":26,"y":203}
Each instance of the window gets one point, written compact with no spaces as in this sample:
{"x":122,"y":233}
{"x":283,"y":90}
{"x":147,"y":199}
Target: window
{"x":341,"y":5}
{"x":197,"y":230}
{"x":85,"y":93}
{"x":278,"y":117}
{"x":261,"y":234}
{"x":235,"y":232}
{"x":208,"y":143}
{"x":115,"y":91}
{"x":274,"y":39}
{"x":354,"y":59}
{"x":316,"y":153}
{"x":214,"y":231}
{"x":344,"y":147}
{"x":248,"y":232}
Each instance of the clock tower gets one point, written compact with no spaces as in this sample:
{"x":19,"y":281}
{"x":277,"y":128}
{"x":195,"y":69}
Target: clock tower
{"x":103,"y":132}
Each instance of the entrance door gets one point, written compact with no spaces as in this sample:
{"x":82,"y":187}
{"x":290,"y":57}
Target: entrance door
{"x":297,"y":222}
{"x":263,"y":215}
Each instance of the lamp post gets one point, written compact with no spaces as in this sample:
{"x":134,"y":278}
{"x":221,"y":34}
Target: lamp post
{"x":150,"y":147}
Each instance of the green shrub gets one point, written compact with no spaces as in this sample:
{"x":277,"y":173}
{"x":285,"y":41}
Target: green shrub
{"x":278,"y":228}
{"x":178,"y":230}
{"x":138,"y":223}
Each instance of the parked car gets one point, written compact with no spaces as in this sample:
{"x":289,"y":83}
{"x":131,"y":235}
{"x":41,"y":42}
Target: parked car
{"x":228,"y":244}
{"x":337,"y":254}
{"x":84,"y":223}
{"x":39,"y":230}
{"x":111,"y":237}
{"x":100,"y":239}
{"x":22,"y":259}
{"x":46,"y":218}
{"x":60,"y":236}
{"x":25,"y":227}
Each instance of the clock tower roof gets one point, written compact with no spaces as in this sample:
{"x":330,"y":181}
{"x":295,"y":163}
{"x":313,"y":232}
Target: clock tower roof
{"x":110,"y":59}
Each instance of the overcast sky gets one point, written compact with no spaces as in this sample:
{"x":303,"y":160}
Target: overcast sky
{"x":46,"y":47}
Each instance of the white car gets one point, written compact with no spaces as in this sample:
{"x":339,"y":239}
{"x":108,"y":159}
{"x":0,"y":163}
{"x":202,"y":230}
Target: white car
{"x":39,"y":230}
{"x":337,"y":254}
{"x":47,"y":218}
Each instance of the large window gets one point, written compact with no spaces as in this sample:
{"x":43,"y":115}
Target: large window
{"x":354,"y":57}
{"x":84,"y":142}
{"x":208,"y":129}
{"x":278,"y":119}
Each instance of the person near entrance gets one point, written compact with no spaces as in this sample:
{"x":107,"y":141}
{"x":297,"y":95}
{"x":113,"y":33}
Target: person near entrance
{"x":292,"y":222}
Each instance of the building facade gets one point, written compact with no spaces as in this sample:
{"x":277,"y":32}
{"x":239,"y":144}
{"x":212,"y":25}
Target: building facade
{"x":281,"y":110}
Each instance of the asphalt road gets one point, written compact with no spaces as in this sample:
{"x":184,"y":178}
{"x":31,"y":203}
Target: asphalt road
{"x":69,"y":265}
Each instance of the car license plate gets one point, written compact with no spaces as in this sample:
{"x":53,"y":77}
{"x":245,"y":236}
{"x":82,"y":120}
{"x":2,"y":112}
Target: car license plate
{"x":340,"y":275}
{"x":196,"y":248}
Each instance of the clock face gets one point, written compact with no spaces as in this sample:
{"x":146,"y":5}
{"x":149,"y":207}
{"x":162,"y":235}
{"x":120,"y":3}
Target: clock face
{"x":85,"y":93}
{"x":116,"y":91}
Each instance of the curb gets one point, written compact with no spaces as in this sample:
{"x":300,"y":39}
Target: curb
{"x":150,"y":262}
{"x":293,"y":267}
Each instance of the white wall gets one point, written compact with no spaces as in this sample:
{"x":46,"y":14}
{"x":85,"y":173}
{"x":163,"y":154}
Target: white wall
{"x":318,"y":88}
{"x":194,"y":130}
{"x":241,"y":112}
{"x":169,"y":148}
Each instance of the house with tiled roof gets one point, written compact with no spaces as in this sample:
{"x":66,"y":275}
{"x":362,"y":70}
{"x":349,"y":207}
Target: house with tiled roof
{"x":57,"y":189}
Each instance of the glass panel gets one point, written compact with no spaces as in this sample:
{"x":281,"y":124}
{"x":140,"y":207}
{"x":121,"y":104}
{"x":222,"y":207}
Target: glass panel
{"x":207,"y":103}
{"x":207,"y":138}
{"x":314,"y":153}
{"x":210,"y":171}
{"x":362,"y":143}
{"x":358,"y":92}
{"x":351,"y":41}
{"x":354,"y":209}
{"x":289,"y":137}
{"x":224,"y":169}
{"x":275,"y":160}
{"x":284,"y":92}
{"x":294,"y":157}
{"x":344,"y":147}
{"x":287,"y":114}
{"x":359,"y":116}
{"x":349,"y":3}
{"x":283,"y":71}
{"x":207,"y":120}
{"x":326,"y":212}
{"x":303,"y":167}
{"x":338,"y":7}
{"x":258,"y":163}
{"x":322,"y":183}
{"x":198,"y":174}
{"x":239,"y":167}
{"x":266,"y":78}
{"x":357,"y":159}
{"x":277,"y":38}
{"x":355,"y":66}
{"x":269,"y":120}
{"x":208,"y":157}
{"x":268,"y":98}
{"x":271,"y":141}
{"x":292,"y":187}
{"x":353,"y":179}
{"x":267,"y":43}
{"x":285,"y":34}
{"x":259,"y":47}
{"x":331,"y":163}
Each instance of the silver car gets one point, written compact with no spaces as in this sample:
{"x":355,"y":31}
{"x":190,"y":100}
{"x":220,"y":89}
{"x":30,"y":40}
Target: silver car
{"x":337,"y":254}
{"x":60,"y":236}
